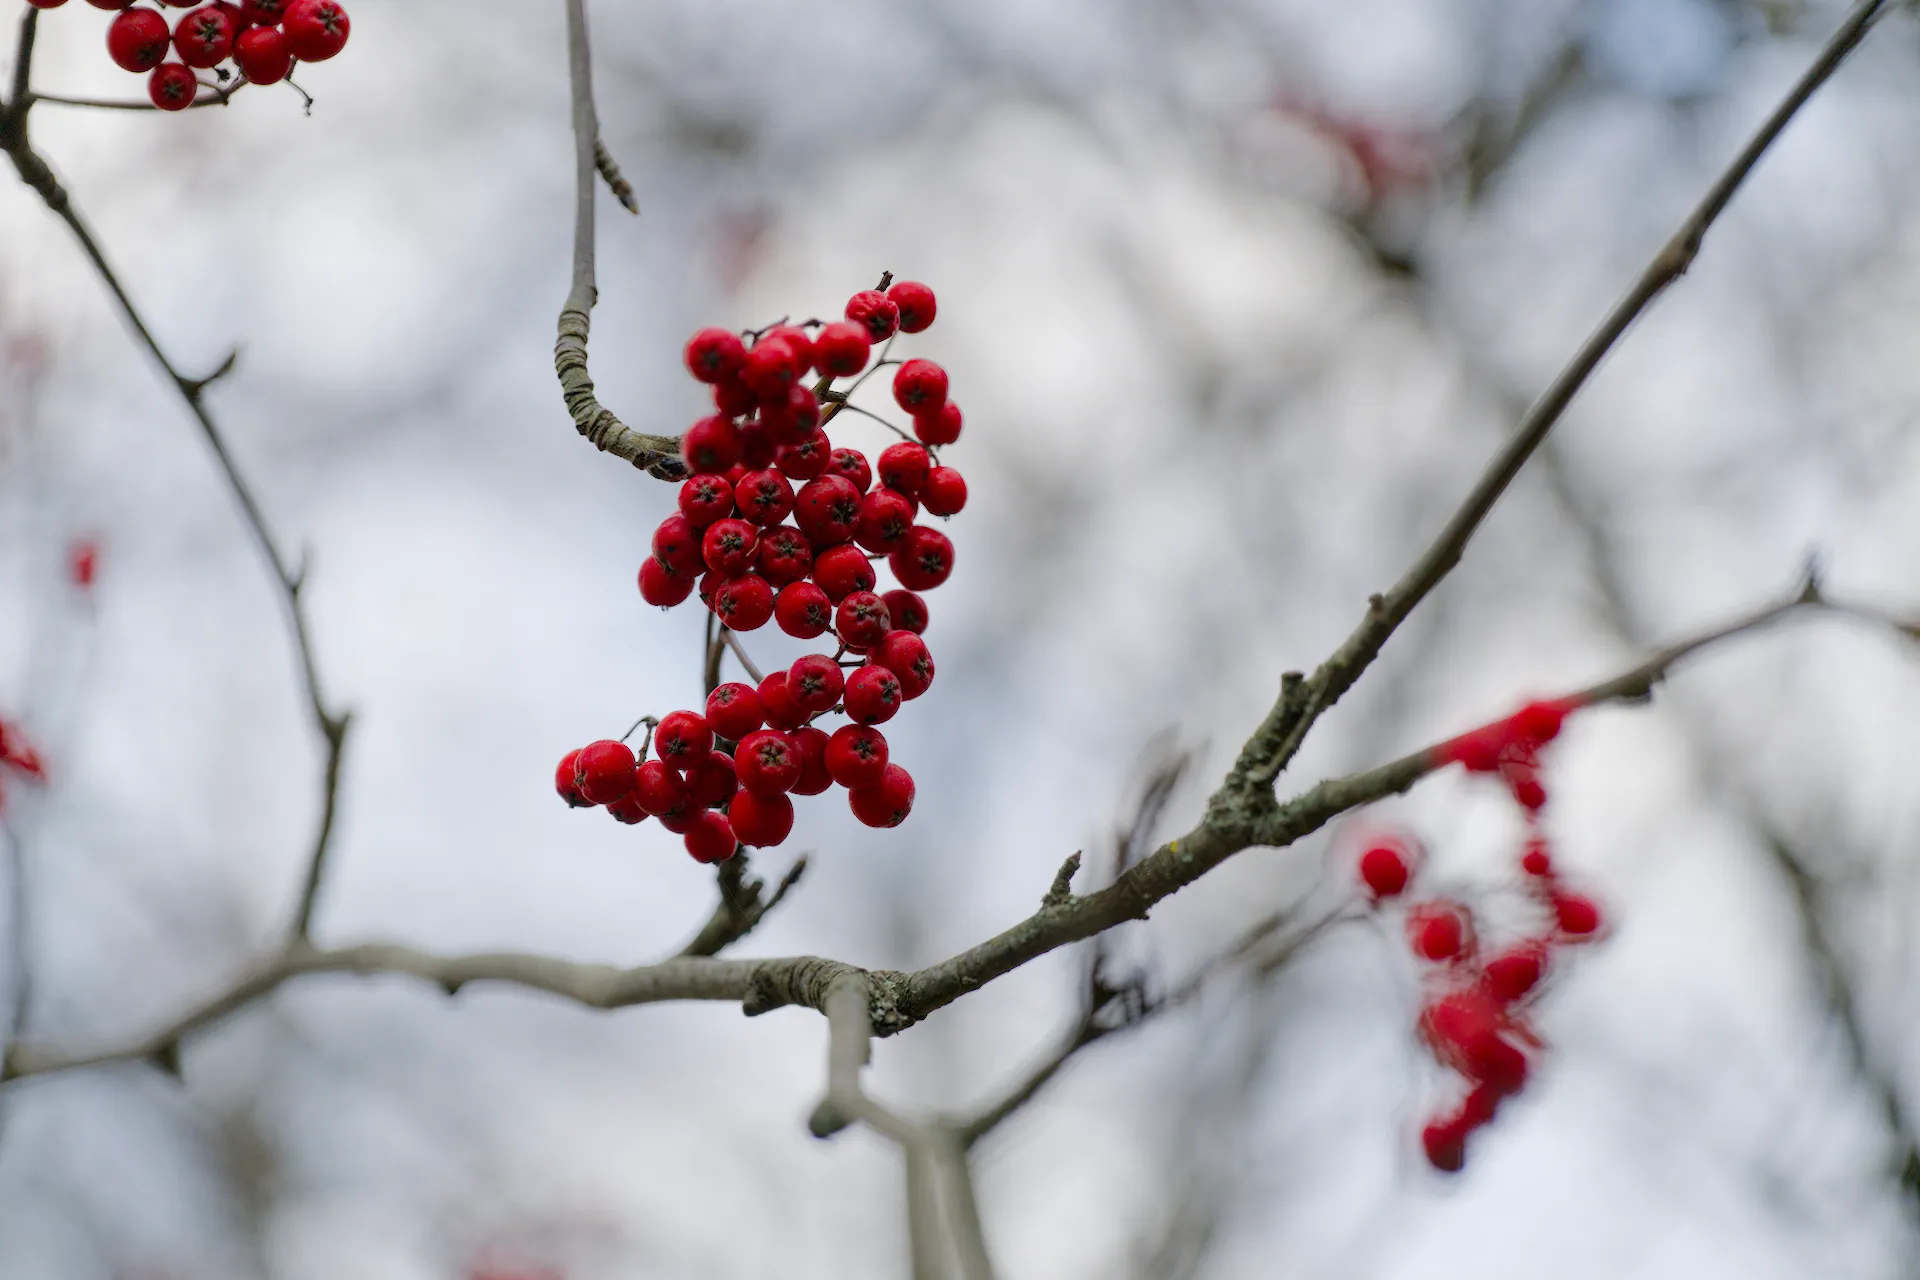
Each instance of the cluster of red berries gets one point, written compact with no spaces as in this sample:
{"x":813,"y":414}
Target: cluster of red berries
{"x":17,"y":756}
{"x":262,"y":37}
{"x":726,"y":775}
{"x":1473,"y":1014}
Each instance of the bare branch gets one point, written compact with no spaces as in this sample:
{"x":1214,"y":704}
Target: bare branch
{"x":658,"y":455}
{"x":742,"y":905}
{"x":746,"y":663}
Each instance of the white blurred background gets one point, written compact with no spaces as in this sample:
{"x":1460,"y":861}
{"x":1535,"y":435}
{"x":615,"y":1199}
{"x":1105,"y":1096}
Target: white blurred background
{"x":1238,"y":296}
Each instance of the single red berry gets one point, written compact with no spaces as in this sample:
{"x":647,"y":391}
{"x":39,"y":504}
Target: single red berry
{"x":1538,"y":723}
{"x":906,"y":655}
{"x":757,"y":450}
{"x":908,"y":610}
{"x":785,"y":555}
{"x":1477,"y":751}
{"x":744,"y":603}
{"x":1536,"y":861}
{"x":852,"y":465}
{"x":676,"y":544}
{"x":782,"y":711}
{"x":827,"y":510}
{"x":1445,"y":1142}
{"x":772,"y":367}
{"x":920,"y":387}
{"x":925,"y":561}
{"x":945,"y":491}
{"x":811,"y":743}
{"x":798,"y":343}
{"x":734,"y":711}
{"x":861,"y":620}
{"x":715,"y":355}
{"x":764,"y":497}
{"x":768,"y":762}
{"x":566,"y":780}
{"x":903,"y":467}
{"x":683,"y":819}
{"x":886,"y":518}
{"x":711,"y":445}
{"x":172,"y":87}
{"x":940,"y":427}
{"x":916,"y":305}
{"x":661,"y":586}
{"x":316,"y":29}
{"x":1467,"y":1030}
{"x":137,"y":40}
{"x":875,"y":312}
{"x":843,"y":570}
{"x":1515,"y":972}
{"x":793,"y":418}
{"x":605,"y":771}
{"x":55,"y":4}
{"x":734,"y":398}
{"x":887,"y":803}
{"x":682,"y":739}
{"x":806,"y":458}
{"x":659,"y":788}
{"x":713,"y":781}
{"x":856,"y":756}
{"x":262,"y":55}
{"x":1385,"y":868}
{"x":1439,"y":931}
{"x":627,"y":809}
{"x":730,"y":546}
{"x":842,"y":349}
{"x":803,"y":610}
{"x":264,"y":13}
{"x":83,"y":562}
{"x":761,"y":821}
{"x":709,"y":583}
{"x":704,"y":499}
{"x":204,"y":37}
{"x":872,"y":695}
{"x":814,"y":683}
{"x":711,"y":837}
{"x":1578,"y":917}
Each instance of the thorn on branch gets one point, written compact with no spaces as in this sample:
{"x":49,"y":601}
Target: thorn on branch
{"x":1810,"y":576}
{"x":167,"y":1058}
{"x":192,"y":387}
{"x":616,"y":182}
{"x":1060,"y":893}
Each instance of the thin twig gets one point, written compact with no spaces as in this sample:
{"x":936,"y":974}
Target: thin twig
{"x":743,"y":904}
{"x":746,"y":663}
{"x":658,"y":455}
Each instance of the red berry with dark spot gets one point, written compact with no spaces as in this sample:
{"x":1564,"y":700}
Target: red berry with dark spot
{"x":842,"y":349}
{"x":715,"y":355}
{"x":1385,"y":868}
{"x":887,"y":803}
{"x":886,"y":518}
{"x":945,"y":492}
{"x":916,"y":305}
{"x":316,"y":29}
{"x":906,"y":655}
{"x":734,"y":711}
{"x":768,"y":762}
{"x":856,"y":756}
{"x":761,"y":821}
{"x":1445,"y":1142}
{"x":925,"y":561}
{"x":659,"y":788}
{"x":782,"y":711}
{"x":676,"y":544}
{"x":785,"y":555}
{"x":566,"y":780}
{"x":137,"y":40}
{"x":661,"y":586}
{"x":811,"y":743}
{"x":907,"y":609}
{"x":730,"y":546}
{"x":798,"y":344}
{"x":734,"y":398}
{"x":605,"y":771}
{"x":711,"y":445}
{"x":806,"y":457}
{"x":920,"y":387}
{"x":172,"y":87}
{"x":814,"y":683}
{"x":938,"y":428}
{"x":711,"y":838}
{"x":793,"y":418}
{"x":704,"y":499}
{"x":744,"y":603}
{"x":757,"y":450}
{"x":204,"y":37}
{"x":627,"y":809}
{"x":861,"y":620}
{"x":682,"y":739}
{"x":682,"y":819}
{"x":843,"y":570}
{"x":772,"y":367}
{"x":262,"y":55}
{"x":851,"y":464}
{"x":264,"y":13}
{"x":872,"y":695}
{"x":827,"y":510}
{"x":803,"y":610}
{"x":875,"y":312}
{"x":903,"y":467}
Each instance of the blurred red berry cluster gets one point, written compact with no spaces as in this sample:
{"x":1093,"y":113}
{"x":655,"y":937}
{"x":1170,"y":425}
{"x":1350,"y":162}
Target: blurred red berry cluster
{"x":18,"y":757}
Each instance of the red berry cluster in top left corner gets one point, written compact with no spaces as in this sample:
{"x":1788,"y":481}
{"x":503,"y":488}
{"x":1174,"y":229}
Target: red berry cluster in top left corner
{"x":261,"y":39}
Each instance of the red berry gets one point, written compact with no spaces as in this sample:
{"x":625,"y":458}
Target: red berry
{"x":734,"y":398}
{"x":916,"y":305}
{"x":764,"y":497}
{"x":792,"y":419}
{"x":908,"y":610}
{"x":856,"y":756}
{"x":798,"y":344}
{"x":683,"y":819}
{"x":1445,"y":1142}
{"x":811,"y":743}
{"x":782,"y":711}
{"x":806,"y":458}
{"x":920,"y":387}
{"x":875,"y":312}
{"x":887,"y":803}
{"x":712,"y":782}
{"x":682,"y":739}
{"x":1439,"y":931}
{"x":709,"y":583}
{"x":886,"y":518}
{"x":1578,"y":917}
{"x":137,"y":40}
{"x":945,"y":491}
{"x":843,"y":570}
{"x":711,"y":837}
{"x":772,"y":366}
{"x":872,"y":695}
{"x":711,"y":445}
{"x":861,"y":620}
{"x":785,"y":555}
{"x":676,"y":544}
{"x":55,"y":4}
{"x":715,"y":355}
{"x":1516,"y":971}
{"x":627,"y":809}
{"x":661,"y":586}
{"x":768,"y":762}
{"x":1536,"y":861}
{"x":814,"y":683}
{"x":903,"y":467}
{"x":757,"y":451}
{"x":925,"y":561}
{"x":827,"y":509}
{"x":1386,"y":869}
{"x":803,"y":610}
{"x":1466,"y":1029}
{"x":852,"y":465}
{"x":1538,"y":723}
{"x":704,"y":499}
{"x":730,"y":546}
{"x":605,"y":771}
{"x":938,"y":428}
{"x":906,"y":655}
{"x":842,"y":349}
{"x":316,"y":29}
{"x":262,"y":55}
{"x":659,"y":788}
{"x":744,"y":603}
{"x":761,"y":821}
{"x":204,"y":37}
{"x":172,"y":87}
{"x":734,"y":711}
{"x":566,"y":780}
{"x":264,"y":13}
